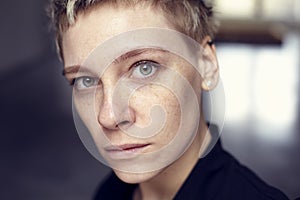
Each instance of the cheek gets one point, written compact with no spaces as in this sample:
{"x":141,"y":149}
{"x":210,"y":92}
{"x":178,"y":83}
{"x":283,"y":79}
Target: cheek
{"x":84,"y":107}
{"x":146,"y":98}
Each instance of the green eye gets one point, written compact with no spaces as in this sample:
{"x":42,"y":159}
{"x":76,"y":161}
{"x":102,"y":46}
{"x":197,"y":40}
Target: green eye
{"x":88,"y":82}
{"x":146,"y":69}
{"x":85,"y":82}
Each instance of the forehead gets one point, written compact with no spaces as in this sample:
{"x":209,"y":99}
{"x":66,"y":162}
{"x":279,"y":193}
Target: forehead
{"x":99,"y":24}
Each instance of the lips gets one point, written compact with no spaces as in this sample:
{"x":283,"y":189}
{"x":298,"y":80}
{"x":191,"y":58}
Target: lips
{"x":125,"y":147}
{"x":125,"y":151}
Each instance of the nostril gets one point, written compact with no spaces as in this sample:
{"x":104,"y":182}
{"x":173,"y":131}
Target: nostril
{"x":124,"y":124}
{"x":115,"y":116}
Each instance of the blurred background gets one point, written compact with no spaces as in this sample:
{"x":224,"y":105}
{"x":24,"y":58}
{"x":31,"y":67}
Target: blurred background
{"x":41,"y":154}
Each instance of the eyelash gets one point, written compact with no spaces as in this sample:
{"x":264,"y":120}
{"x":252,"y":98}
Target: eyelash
{"x":75,"y":81}
{"x":155,"y":66}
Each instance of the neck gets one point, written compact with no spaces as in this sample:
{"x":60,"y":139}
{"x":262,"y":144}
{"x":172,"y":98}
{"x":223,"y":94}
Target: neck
{"x":166,"y":184}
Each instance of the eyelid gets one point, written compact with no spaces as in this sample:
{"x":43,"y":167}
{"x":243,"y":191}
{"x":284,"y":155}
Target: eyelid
{"x":73,"y":82}
{"x":135,"y":66}
{"x":142,"y":62}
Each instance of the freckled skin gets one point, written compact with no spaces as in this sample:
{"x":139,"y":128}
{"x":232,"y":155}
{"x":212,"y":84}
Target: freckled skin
{"x":87,"y":33}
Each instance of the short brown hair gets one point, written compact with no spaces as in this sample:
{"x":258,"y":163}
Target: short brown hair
{"x":194,"y":18}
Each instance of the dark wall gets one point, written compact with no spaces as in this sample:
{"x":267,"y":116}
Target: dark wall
{"x":41,"y":154}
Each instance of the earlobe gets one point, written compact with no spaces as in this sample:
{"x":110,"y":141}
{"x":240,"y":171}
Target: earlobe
{"x":208,"y":41}
{"x":209,"y":65}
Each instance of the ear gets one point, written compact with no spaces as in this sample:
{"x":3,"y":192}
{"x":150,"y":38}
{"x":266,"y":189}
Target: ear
{"x":209,"y":65}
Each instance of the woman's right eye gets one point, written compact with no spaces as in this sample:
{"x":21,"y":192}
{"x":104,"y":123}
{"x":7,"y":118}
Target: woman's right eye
{"x":85,"y":82}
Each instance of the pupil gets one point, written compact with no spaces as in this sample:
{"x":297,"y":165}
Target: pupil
{"x":88,"y":82}
{"x":146,"y":69}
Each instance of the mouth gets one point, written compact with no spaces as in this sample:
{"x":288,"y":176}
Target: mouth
{"x":125,"y":151}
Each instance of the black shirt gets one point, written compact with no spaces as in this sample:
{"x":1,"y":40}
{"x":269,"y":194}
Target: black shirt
{"x":217,"y":176}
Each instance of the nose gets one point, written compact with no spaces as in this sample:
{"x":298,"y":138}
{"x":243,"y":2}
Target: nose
{"x":106,"y":116}
{"x":114,"y":112}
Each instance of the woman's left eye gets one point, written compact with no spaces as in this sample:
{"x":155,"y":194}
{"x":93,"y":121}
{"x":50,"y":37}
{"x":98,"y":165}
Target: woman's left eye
{"x":144,"y":69}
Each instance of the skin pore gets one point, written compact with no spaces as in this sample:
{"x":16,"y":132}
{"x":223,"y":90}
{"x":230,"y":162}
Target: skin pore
{"x":94,"y":27}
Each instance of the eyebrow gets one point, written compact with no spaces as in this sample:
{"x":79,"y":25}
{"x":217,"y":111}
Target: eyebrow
{"x":130,"y":54}
{"x":75,"y":68}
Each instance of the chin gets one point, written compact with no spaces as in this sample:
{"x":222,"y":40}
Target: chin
{"x":135,"y":178}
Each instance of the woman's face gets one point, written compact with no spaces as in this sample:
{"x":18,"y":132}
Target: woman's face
{"x":134,"y":107}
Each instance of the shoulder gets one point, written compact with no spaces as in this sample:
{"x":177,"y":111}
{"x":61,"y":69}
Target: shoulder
{"x":220,"y":176}
{"x":113,"y":188}
{"x":242,"y":183}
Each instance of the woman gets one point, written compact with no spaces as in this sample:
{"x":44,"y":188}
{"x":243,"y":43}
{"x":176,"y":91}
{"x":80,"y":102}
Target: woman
{"x":138,"y":69}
